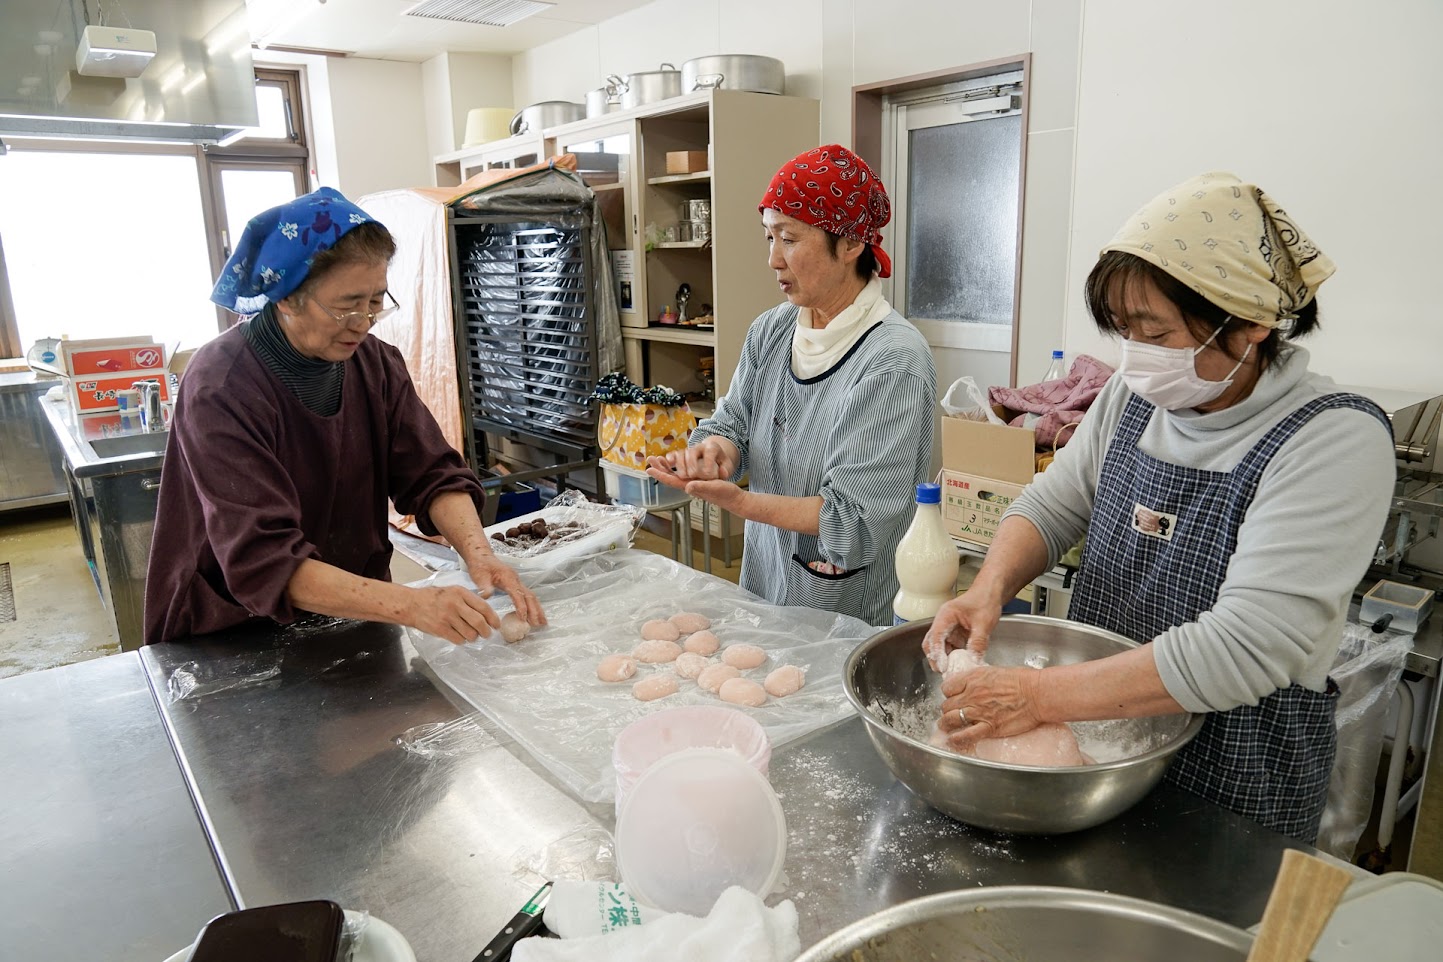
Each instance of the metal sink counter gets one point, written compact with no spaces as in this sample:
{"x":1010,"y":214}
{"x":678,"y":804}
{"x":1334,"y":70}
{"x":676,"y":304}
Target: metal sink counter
{"x":101,"y":853}
{"x":289,"y":741}
{"x":128,"y":449}
{"x":114,"y":485}
{"x":288,"y":738}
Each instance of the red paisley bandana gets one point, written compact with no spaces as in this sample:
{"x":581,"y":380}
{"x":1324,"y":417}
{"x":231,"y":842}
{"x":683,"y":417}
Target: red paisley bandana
{"x":832,"y":188}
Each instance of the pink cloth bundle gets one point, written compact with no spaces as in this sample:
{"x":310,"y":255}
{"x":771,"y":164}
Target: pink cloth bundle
{"x":1060,"y":403}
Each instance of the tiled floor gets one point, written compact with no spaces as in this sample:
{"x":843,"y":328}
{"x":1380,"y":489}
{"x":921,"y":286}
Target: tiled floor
{"x":59,"y":618}
{"x":58,"y":615}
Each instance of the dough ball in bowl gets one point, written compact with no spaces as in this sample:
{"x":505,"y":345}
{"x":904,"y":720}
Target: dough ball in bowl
{"x":743,"y":656}
{"x":714,"y":676}
{"x":514,"y":627}
{"x":702,"y":642}
{"x":616,"y":668}
{"x":689,"y":621}
{"x":656,"y":651}
{"x":784,"y":681}
{"x":743,"y":691}
{"x":658,"y":630}
{"x":655,"y":686}
{"x":689,"y":665}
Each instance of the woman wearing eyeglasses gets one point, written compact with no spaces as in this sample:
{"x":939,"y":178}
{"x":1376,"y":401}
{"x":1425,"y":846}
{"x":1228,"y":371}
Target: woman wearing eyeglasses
{"x":291,"y":432}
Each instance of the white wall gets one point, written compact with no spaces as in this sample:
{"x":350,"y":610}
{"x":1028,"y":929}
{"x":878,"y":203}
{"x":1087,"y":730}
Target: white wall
{"x":452,"y":84}
{"x":1330,"y":107}
{"x":380,"y":134}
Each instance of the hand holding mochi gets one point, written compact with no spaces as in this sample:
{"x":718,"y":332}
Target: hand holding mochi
{"x":616,"y":668}
{"x":743,"y":691}
{"x":658,"y":630}
{"x":656,"y":651}
{"x":713,"y":676}
{"x":514,"y":627}
{"x":743,"y":656}
{"x":690,"y":665}
{"x":654,"y":687}
{"x":689,"y":621}
{"x":702,"y":642}
{"x":784,"y":681}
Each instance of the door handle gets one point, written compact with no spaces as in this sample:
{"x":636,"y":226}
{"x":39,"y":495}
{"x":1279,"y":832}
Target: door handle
{"x":150,"y":484}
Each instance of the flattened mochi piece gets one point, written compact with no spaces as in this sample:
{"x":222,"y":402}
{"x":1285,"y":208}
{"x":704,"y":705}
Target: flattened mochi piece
{"x":702,"y":642}
{"x":616,"y":668}
{"x":689,"y":621}
{"x":743,"y":691}
{"x":784,"y":681}
{"x":656,"y":651}
{"x":658,"y":630}
{"x":514,"y":627}
{"x":690,"y":665}
{"x":655,"y":686}
{"x":743,"y":656}
{"x":713,"y":676}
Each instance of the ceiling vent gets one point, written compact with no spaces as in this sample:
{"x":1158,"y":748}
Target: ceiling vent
{"x":491,"y":13}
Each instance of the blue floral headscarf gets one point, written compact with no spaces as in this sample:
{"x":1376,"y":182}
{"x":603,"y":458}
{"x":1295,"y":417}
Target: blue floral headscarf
{"x":275,"y":253}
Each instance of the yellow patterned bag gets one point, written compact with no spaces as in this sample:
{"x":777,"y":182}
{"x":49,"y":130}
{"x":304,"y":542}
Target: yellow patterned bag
{"x":631,"y":433}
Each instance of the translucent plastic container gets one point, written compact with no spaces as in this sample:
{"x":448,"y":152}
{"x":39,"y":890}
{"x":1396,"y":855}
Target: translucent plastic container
{"x":637,"y":487}
{"x":697,"y":822}
{"x":644,"y":743}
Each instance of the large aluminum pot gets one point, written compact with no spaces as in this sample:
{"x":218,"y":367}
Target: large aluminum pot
{"x":734,"y":71}
{"x":548,"y":113}
{"x":649,"y":86}
{"x":889,"y":682}
{"x":603,"y":100}
{"x":1035,"y":923}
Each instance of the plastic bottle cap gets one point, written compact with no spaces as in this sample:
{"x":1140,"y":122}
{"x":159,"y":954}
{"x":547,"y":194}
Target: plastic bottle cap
{"x":696,"y":823}
{"x":929,"y":494}
{"x":1057,"y":355}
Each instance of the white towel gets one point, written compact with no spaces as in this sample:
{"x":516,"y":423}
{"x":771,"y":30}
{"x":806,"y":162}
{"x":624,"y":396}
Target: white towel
{"x":740,"y":928}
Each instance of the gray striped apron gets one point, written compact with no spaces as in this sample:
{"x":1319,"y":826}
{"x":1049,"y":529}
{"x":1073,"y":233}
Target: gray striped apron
{"x":1269,"y":762}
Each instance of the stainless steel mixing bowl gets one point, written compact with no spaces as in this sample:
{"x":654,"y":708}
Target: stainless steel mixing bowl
{"x":1033,"y":923}
{"x":888,"y":680}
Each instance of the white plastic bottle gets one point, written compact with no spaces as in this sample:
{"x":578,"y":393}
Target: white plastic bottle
{"x":926,"y":561}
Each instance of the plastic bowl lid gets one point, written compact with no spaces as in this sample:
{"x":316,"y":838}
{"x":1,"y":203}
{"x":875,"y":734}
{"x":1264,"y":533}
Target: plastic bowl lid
{"x":696,"y":823}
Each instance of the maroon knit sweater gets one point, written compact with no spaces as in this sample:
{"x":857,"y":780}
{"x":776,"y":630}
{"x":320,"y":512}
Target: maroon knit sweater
{"x":254,"y":483}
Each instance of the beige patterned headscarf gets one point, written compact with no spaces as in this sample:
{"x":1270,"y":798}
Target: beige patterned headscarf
{"x":1232,"y":244}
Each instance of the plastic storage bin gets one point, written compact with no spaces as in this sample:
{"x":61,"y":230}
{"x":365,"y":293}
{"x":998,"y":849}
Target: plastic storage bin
{"x":638,"y":487}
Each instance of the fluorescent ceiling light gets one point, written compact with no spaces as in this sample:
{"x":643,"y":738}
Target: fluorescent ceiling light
{"x":490,"y":13}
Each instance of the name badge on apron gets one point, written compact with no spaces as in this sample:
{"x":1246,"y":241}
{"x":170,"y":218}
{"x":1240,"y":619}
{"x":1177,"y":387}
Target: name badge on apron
{"x":1154,"y":524}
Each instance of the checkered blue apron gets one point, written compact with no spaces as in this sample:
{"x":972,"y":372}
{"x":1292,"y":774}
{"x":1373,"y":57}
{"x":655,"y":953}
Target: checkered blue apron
{"x":1269,"y":762}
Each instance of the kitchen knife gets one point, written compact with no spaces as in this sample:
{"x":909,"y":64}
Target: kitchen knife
{"x":524,"y":923}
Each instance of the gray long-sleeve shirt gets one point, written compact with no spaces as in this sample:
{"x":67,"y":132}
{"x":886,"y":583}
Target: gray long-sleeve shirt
{"x":1307,"y":539}
{"x":859,"y":435}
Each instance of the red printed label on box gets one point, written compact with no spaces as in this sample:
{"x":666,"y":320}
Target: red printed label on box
{"x":99,"y":395}
{"x":114,"y":360}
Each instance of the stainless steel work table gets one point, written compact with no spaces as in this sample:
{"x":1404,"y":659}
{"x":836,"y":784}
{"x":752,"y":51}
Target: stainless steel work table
{"x":289,"y":740}
{"x":101,"y":853}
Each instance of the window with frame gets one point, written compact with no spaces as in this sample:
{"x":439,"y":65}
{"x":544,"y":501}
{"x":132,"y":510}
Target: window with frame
{"x":953,"y":162}
{"x":99,"y":238}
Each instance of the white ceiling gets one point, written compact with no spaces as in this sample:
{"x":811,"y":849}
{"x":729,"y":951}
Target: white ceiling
{"x":376,"y":29}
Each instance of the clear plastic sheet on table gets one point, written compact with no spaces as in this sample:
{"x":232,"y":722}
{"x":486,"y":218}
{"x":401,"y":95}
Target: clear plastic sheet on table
{"x":1367,"y":669}
{"x":544,"y":691}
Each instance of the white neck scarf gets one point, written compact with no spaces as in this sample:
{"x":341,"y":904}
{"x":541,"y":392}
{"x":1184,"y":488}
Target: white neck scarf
{"x":816,"y":350}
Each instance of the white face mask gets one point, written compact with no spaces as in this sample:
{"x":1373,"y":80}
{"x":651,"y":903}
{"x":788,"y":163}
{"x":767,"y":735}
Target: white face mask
{"x":1166,"y":377}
